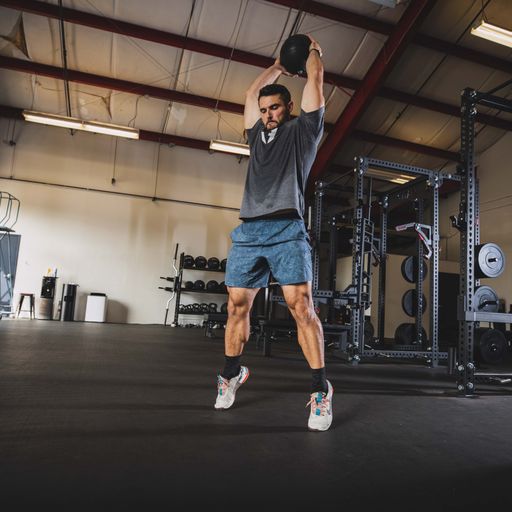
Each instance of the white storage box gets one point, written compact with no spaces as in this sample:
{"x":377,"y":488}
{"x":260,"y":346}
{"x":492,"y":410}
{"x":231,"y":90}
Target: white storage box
{"x":96,"y":308}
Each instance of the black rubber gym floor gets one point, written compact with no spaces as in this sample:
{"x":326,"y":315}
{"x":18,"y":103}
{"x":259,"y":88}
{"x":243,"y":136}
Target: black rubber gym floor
{"x":117,"y":417}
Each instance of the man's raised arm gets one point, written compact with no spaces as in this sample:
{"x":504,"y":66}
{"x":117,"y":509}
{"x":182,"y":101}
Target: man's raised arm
{"x":252,"y":108}
{"x":313,"y":95}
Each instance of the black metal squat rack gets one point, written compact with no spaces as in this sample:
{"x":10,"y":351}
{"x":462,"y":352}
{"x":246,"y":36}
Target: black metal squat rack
{"x":364,"y":242}
{"x":468,"y":223}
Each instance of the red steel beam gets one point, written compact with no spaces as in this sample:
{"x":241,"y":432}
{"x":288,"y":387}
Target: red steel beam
{"x":27,"y":66}
{"x":378,"y":71}
{"x":166,"y":38}
{"x":171,"y":95}
{"x":226,"y":106}
{"x":382,"y":27}
{"x":156,"y":36}
{"x":409,"y":146}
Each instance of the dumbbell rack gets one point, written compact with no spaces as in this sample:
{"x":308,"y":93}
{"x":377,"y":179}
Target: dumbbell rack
{"x":179,"y":289}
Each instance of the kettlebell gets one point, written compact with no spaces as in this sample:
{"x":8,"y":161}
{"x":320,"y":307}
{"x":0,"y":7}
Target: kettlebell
{"x":294,"y":54}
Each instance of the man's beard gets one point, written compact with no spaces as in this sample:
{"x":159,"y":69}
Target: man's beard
{"x":278,"y":123}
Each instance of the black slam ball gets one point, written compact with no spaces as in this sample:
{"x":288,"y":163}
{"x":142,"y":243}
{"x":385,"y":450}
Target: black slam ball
{"x":294,"y":54}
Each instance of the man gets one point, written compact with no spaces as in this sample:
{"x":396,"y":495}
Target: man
{"x":272,"y":237}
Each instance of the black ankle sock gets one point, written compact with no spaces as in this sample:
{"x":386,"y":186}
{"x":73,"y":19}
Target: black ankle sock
{"x":319,"y":381}
{"x":231,"y":367}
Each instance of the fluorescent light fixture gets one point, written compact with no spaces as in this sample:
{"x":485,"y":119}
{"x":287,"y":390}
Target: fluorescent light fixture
{"x":387,"y":3}
{"x":230,"y":147}
{"x":493,"y":33}
{"x":393,"y":177}
{"x":77,"y":124}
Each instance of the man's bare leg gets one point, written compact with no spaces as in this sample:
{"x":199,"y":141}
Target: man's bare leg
{"x":299,"y":299}
{"x":238,"y":330}
{"x":238,"y":326}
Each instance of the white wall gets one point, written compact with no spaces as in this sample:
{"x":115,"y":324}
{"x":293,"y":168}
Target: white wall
{"x":116,"y":244}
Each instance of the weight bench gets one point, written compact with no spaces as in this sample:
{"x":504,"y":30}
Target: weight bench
{"x":270,"y":329}
{"x":212,"y":319}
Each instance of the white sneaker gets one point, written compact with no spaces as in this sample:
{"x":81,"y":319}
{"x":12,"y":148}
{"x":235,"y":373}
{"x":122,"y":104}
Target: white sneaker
{"x":226,"y":389}
{"x":320,"y":417}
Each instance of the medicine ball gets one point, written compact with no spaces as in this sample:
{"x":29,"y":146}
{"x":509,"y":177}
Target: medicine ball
{"x":212,"y":286}
{"x":294,"y":54}
{"x":213,"y":263}
{"x":200,"y":262}
{"x":188,"y":261}
{"x":199,"y":285}
{"x":222,"y":287}
{"x":189,"y":285}
{"x":223,"y":264}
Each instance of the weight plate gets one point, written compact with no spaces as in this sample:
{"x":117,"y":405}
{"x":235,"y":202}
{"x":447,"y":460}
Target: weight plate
{"x":486,"y":299}
{"x":490,"y":260}
{"x":410,"y":269}
{"x":490,"y":345}
{"x":405,"y":334}
{"x":410,"y":303}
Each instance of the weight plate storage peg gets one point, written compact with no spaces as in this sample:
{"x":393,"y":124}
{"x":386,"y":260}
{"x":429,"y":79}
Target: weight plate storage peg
{"x":410,"y":303}
{"x":490,"y":345}
{"x":486,"y":299}
{"x":410,"y":269}
{"x":490,"y":260}
{"x":188,"y":261}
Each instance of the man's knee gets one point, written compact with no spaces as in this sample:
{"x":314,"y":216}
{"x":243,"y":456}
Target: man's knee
{"x":239,"y":307}
{"x":303,"y":310}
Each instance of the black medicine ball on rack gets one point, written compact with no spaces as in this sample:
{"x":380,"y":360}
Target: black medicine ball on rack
{"x":188,"y":261}
{"x":200,"y":262}
{"x":223,"y":264}
{"x":188,"y":285}
{"x":212,"y":286}
{"x":199,"y":285}
{"x":213,"y":263}
{"x":294,"y":54}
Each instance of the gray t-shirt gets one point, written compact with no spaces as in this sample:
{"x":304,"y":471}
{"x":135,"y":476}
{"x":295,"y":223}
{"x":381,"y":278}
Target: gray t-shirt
{"x":279,"y":165}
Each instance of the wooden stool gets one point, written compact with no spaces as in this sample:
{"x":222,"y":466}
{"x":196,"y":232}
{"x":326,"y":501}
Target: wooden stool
{"x":32,"y":304}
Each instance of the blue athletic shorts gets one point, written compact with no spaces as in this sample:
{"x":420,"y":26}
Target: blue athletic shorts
{"x":280,"y":246}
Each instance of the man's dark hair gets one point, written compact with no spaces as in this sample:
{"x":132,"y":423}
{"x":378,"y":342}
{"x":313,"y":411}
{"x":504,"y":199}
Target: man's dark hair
{"x":270,"y":90}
